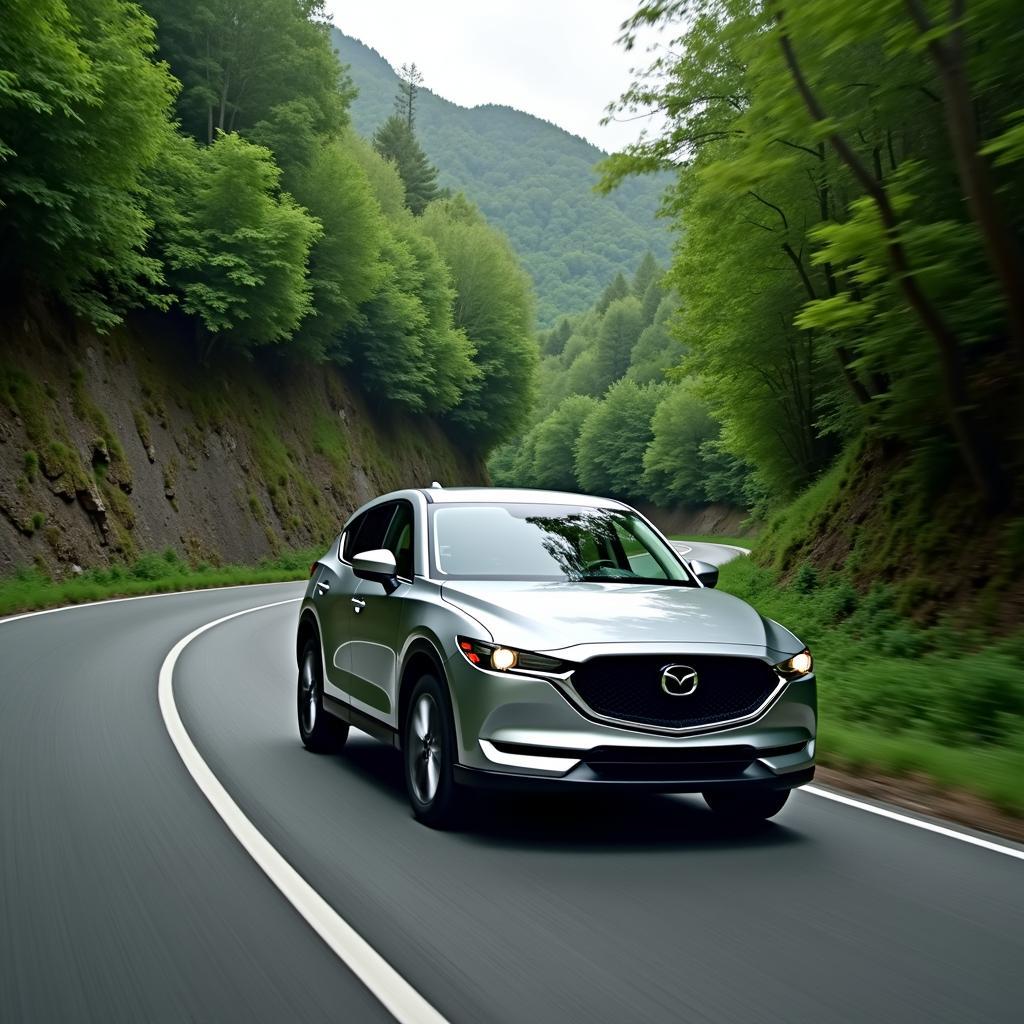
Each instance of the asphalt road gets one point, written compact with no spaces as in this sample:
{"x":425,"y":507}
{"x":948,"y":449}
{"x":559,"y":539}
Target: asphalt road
{"x":124,"y":897}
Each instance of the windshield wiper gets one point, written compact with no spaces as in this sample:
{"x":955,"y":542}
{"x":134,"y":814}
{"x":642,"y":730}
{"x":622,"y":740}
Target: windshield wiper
{"x":631,"y":579}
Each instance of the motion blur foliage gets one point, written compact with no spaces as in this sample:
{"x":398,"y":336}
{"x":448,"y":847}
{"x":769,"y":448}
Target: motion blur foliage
{"x":237,"y":192}
{"x":850,"y":184}
{"x":72,"y":219}
{"x":947,"y":700}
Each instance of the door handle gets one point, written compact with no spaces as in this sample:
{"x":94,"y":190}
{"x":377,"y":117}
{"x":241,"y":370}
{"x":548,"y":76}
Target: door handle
{"x":359,"y":605}
{"x":323,"y":586}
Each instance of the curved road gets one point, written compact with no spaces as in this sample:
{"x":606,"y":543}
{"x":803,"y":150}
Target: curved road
{"x":124,"y":897}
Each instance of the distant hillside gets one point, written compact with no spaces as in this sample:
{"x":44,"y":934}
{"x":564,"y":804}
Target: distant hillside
{"x":531,"y":178}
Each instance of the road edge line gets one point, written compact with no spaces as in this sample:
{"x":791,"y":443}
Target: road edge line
{"x":906,"y":819}
{"x":397,"y":996}
{"x":142,"y":597}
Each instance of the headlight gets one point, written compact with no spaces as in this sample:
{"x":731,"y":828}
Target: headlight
{"x":506,"y":659}
{"x":799,"y":665}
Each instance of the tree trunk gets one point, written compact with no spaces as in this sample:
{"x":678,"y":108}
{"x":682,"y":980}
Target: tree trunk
{"x":1001,"y":248}
{"x":956,"y":400}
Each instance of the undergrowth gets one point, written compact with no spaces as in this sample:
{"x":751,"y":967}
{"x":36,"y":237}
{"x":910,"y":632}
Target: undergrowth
{"x":895,"y":694}
{"x":30,"y":589}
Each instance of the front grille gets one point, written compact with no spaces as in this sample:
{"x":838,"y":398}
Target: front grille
{"x":628,"y":688}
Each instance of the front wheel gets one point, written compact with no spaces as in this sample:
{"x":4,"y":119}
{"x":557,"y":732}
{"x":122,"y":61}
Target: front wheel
{"x":740,"y":806}
{"x":320,"y":732}
{"x":428,"y":746}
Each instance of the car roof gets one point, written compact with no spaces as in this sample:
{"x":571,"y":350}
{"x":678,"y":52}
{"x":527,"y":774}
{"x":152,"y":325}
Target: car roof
{"x":515,"y":496}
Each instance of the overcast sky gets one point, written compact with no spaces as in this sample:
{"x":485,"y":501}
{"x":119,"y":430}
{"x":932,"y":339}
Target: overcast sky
{"x":553,"y":58}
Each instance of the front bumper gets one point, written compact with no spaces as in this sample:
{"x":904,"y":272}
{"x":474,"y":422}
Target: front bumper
{"x":521,"y":732}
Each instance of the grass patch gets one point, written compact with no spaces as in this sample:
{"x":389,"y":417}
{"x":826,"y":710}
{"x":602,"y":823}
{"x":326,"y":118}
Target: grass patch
{"x":152,"y":573}
{"x":896,"y":695}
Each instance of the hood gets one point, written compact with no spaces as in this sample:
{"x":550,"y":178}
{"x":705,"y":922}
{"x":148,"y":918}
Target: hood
{"x":538,"y":616}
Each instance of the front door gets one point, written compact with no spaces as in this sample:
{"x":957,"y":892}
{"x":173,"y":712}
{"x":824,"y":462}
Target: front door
{"x":339,"y":607}
{"x":377,"y":635}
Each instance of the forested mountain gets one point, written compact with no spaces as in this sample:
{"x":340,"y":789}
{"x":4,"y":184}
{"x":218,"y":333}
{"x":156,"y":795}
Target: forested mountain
{"x":529,"y":177}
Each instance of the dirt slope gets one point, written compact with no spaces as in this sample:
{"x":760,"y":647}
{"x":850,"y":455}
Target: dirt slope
{"x":114,"y":445}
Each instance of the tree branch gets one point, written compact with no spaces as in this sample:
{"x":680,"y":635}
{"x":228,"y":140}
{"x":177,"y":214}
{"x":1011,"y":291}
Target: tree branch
{"x":957,"y":400}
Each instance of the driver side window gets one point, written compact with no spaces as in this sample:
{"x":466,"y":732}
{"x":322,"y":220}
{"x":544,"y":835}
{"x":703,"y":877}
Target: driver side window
{"x":640,"y":560}
{"x":399,"y":540}
{"x":367,"y":532}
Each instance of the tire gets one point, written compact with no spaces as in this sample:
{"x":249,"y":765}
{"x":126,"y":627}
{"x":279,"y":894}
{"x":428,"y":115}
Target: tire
{"x":739,"y":806}
{"x":320,"y":732}
{"x":428,"y":752}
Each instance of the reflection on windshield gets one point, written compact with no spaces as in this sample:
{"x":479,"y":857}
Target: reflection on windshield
{"x":550,"y":542}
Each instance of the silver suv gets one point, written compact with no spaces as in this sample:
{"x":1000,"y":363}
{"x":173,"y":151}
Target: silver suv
{"x":526,"y":638}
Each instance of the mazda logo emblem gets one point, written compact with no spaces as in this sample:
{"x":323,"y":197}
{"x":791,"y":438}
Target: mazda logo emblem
{"x":679,"y":680}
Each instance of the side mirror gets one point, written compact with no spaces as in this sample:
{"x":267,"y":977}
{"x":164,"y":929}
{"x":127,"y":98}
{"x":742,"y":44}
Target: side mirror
{"x":377,"y":566}
{"x":705,"y":572}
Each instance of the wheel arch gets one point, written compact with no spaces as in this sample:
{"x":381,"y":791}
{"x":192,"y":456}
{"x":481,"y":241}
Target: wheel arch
{"x":420,"y":657}
{"x":309,"y":627}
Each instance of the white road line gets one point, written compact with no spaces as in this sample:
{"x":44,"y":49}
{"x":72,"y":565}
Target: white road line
{"x":142,"y":597}
{"x":906,"y":819}
{"x":401,"y":1000}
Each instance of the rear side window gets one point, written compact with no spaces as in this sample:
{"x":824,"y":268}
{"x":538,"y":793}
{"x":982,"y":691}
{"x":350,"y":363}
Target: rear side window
{"x":368,"y":531}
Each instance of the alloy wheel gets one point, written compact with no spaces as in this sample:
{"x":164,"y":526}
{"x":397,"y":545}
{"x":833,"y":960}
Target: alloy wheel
{"x":426,"y":748}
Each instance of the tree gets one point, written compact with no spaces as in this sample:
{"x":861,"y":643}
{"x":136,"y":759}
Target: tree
{"x":242,"y":62}
{"x":840,"y":182}
{"x":611,"y":444}
{"x":617,"y":289}
{"x":84,"y":116}
{"x":410,"y":78}
{"x":235,"y":249}
{"x":494,"y":308}
{"x":554,"y":443}
{"x":345,"y":266}
{"x":395,"y":141}
{"x":647,"y":273}
{"x":404,"y":346}
{"x":674,"y":469}
{"x":620,"y":330}
{"x":657,"y":349}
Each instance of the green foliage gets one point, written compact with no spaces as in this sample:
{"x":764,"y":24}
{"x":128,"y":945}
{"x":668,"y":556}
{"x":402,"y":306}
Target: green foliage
{"x":236,"y":249}
{"x":73,"y":80}
{"x":610,"y":447}
{"x":405,"y":346}
{"x":150,"y":573}
{"x":494,"y":310}
{"x":253,"y":65}
{"x":620,"y":331}
{"x":896,"y":695}
{"x":382,"y":175}
{"x":663,"y":445}
{"x":851,"y":200}
{"x":396,"y":142}
{"x":679,"y":462}
{"x":345,"y":268}
{"x":657,"y":349}
{"x":531,"y":179}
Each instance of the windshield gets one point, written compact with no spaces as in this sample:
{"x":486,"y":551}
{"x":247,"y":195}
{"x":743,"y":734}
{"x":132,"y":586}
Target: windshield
{"x":550,"y":542}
